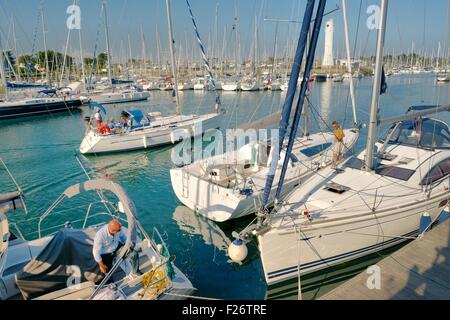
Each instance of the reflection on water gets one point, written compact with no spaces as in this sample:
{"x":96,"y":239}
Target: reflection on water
{"x":195,"y":224}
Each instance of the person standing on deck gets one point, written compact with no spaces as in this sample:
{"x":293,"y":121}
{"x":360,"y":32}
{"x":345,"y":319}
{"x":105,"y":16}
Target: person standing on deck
{"x":338,"y":147}
{"x":98,"y":118}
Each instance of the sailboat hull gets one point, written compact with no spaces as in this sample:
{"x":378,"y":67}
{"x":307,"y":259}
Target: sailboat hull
{"x":15,"y":110}
{"x":217,"y":198}
{"x":119,"y":97}
{"x":158,"y":134}
{"x":333,"y":242}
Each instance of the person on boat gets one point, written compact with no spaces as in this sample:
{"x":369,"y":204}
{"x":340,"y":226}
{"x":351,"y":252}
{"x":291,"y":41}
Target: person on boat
{"x":112,"y":126}
{"x":98,"y":118}
{"x":218,"y":103}
{"x":125,"y":121}
{"x":338,"y":147}
{"x":107,"y":243}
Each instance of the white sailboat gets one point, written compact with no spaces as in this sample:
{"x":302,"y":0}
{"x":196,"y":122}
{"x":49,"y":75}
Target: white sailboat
{"x":376,"y":200}
{"x":150,"y":130}
{"x":116,"y":96}
{"x":42,"y":269}
{"x":252,"y":83}
{"x":231,"y":185}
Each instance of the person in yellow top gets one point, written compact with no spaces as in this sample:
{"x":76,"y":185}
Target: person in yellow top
{"x":338,"y":147}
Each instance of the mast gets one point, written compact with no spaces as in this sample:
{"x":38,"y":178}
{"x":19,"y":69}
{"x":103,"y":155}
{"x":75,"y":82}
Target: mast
{"x":2,"y":69}
{"x":349,"y":62}
{"x":236,"y":42}
{"x":275,"y":48}
{"x":372,"y":134}
{"x":130,"y":57}
{"x":15,"y":45}
{"x":108,"y":52}
{"x":144,"y":57}
{"x":287,"y":107}
{"x":255,"y":70}
{"x":83,"y":70}
{"x":64,"y":58}
{"x":172,"y":55}
{"x":44,"y":39}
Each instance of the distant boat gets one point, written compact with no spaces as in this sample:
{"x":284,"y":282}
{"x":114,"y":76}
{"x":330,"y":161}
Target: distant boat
{"x":337,"y":78}
{"x":320,"y":77}
{"x":443,"y":77}
{"x":123,"y":96}
{"x":250,"y":85}
{"x":231,"y":86}
{"x":48,"y":101}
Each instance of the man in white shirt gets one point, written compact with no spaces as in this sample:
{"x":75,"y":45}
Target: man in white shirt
{"x":108,"y":240}
{"x":98,"y":118}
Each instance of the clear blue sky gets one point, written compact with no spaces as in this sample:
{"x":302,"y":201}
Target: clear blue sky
{"x":422,"y":21}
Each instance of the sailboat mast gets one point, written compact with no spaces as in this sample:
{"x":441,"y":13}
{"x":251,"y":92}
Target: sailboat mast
{"x":108,"y":52}
{"x":44,"y":39}
{"x":349,"y":62}
{"x":172,"y":55}
{"x":83,"y":69}
{"x":15,"y":45}
{"x":275,"y":49}
{"x":2,"y":69}
{"x":236,"y":41}
{"x":255,"y":70}
{"x":373,"y":124}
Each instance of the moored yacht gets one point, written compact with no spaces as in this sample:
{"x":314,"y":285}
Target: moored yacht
{"x":60,"y":265}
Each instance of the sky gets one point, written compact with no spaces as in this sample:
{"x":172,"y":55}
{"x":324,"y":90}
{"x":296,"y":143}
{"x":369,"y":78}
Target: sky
{"x":422,"y":22}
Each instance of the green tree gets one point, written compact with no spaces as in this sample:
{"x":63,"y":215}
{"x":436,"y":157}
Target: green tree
{"x":102,"y":60}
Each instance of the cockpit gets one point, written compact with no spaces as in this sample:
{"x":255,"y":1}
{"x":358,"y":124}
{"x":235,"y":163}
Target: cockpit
{"x":426,"y":133}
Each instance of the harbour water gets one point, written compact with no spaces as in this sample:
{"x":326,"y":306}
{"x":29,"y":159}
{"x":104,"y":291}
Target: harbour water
{"x":40,"y":152}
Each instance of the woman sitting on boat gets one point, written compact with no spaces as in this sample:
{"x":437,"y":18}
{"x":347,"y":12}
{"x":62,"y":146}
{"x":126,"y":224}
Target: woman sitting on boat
{"x":125,"y":121}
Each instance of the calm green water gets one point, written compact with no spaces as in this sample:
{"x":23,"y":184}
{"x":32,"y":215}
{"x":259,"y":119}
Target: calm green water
{"x":40,"y":151}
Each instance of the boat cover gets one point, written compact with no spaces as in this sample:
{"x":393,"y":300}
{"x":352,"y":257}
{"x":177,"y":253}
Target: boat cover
{"x":59,"y":263}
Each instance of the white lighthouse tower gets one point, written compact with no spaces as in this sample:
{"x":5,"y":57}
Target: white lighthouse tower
{"x":328,"y":52}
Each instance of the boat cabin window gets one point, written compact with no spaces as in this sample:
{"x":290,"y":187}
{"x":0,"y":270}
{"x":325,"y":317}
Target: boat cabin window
{"x":312,"y":151}
{"x":439,"y":171}
{"x":383,"y":170}
{"x":427,"y":133}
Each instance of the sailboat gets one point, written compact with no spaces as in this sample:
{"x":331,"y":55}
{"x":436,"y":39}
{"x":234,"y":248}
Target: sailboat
{"x":42,"y":269}
{"x":148,"y":130}
{"x":114,"y":96}
{"x":252,"y":83}
{"x":374,"y":202}
{"x":44,"y":101}
{"x":233,"y":83}
{"x":230,"y":185}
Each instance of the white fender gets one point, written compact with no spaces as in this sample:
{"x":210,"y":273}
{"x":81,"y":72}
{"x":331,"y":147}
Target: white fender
{"x":144,"y":141}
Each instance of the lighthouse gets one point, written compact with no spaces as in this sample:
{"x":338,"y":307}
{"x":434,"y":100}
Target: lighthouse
{"x":328,"y":52}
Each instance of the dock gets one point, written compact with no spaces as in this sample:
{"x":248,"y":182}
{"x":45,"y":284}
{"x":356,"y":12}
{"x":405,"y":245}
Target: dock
{"x":418,"y":271}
